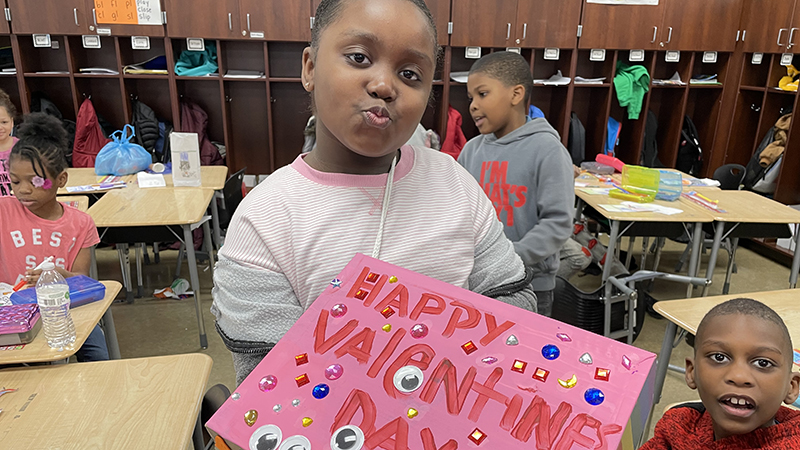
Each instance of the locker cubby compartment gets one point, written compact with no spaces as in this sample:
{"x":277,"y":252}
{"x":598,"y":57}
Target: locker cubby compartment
{"x":545,"y":68}
{"x":130,"y":56}
{"x":243,"y":55}
{"x":36,"y":60}
{"x":775,"y":105}
{"x":248,"y":137}
{"x":179,"y":46}
{"x":153,"y":93}
{"x":105,"y":96}
{"x":10,"y":86}
{"x":664,"y":70}
{"x":591,"y":106}
{"x":649,"y":60}
{"x":744,"y":131}
{"x":776,"y":73}
{"x":553,"y":103}
{"x":460,"y":102}
{"x":286,"y":59}
{"x":788,"y":189}
{"x":755,"y":75}
{"x":58,"y":90}
{"x":703,"y":107}
{"x":208,"y":96}
{"x":666,"y":104}
{"x":595,"y":69}
{"x":289,"y":119}
{"x":720,"y":68}
{"x":104,"y":57}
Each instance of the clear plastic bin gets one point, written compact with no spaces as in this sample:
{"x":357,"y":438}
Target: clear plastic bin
{"x":670,"y":185}
{"x":597,"y":168}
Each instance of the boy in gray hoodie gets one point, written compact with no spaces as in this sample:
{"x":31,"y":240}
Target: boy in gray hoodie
{"x":521,"y":165}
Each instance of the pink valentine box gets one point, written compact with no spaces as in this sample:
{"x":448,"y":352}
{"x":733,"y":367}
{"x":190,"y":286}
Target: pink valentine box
{"x":19,"y":324}
{"x":388,"y":358}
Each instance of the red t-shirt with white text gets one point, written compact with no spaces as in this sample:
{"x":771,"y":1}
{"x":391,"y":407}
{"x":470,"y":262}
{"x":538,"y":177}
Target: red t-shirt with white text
{"x":26,"y":239}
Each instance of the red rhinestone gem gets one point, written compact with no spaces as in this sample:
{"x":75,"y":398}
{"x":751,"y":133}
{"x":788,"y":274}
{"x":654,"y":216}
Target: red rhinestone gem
{"x":361,"y":294}
{"x":373,"y":277}
{"x":302,"y":380}
{"x":301,"y":359}
{"x":477,"y":436}
{"x":519,"y":366}
{"x":602,"y":374}
{"x":387,"y":312}
{"x":469,"y":348}
{"x":541,"y":374}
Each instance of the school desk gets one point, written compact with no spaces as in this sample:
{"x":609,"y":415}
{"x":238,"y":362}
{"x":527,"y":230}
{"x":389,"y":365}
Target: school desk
{"x":85,"y":318}
{"x":127,"y":215}
{"x":144,"y":403}
{"x":688,"y":313}
{"x":750,"y":215}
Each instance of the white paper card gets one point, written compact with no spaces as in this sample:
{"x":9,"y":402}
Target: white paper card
{"x":552,"y":54}
{"x":249,"y":180}
{"x":140,"y":42}
{"x":149,"y":12}
{"x":636,"y":56}
{"x":786,"y":59}
{"x":472,"y":53}
{"x":757,"y":58}
{"x":102,"y":31}
{"x":195,"y":44}
{"x":149,"y":180}
{"x":41,"y":40}
{"x":709,"y":57}
{"x":672,"y":56}
{"x":256,"y":35}
{"x":91,"y":41}
{"x":516,"y":50}
{"x":185,"y":159}
{"x":597,"y":54}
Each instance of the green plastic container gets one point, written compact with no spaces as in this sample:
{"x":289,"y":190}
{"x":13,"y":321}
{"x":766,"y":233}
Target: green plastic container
{"x":639,"y":184}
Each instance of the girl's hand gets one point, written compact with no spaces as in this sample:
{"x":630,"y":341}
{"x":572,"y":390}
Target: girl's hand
{"x":32,"y":276}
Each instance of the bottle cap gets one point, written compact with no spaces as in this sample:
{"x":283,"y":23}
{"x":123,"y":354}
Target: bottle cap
{"x":47,"y":265}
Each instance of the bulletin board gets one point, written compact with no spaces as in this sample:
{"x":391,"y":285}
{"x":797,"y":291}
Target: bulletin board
{"x":128,"y":12}
{"x":388,"y":358}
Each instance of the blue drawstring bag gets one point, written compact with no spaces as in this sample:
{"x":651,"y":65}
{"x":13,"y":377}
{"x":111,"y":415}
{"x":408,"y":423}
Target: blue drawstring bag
{"x":121,"y":157}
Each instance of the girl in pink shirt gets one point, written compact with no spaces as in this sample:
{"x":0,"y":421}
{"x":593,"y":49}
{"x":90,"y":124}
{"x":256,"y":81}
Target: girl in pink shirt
{"x":7,"y":113}
{"x":35,"y":225}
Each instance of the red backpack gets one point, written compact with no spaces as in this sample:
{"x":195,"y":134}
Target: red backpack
{"x":89,"y":136}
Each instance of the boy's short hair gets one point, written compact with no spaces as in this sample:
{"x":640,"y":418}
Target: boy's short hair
{"x":507,"y":67}
{"x":747,"y":307}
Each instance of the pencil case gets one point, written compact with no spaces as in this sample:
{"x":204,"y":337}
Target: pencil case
{"x":630,"y":196}
{"x":19,"y":324}
{"x":82,"y":290}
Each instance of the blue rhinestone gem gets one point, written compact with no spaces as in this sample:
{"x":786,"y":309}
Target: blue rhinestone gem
{"x":594,"y":396}
{"x":320,"y":391}
{"x":550,"y":352}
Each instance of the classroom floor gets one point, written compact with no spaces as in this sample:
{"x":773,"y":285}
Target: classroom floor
{"x":151,"y":327}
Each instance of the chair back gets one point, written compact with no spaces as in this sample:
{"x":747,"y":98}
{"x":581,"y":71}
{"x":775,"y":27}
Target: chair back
{"x":232,"y":193}
{"x":730,"y":176}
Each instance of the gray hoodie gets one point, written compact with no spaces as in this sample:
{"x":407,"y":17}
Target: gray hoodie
{"x":527,"y":175}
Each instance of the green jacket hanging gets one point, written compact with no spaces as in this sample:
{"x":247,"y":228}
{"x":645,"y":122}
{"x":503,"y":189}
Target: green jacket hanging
{"x":631,"y":83}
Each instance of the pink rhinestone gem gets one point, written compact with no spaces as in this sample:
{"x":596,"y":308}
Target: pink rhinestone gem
{"x":626,"y":362}
{"x":489,"y":360}
{"x":419,"y":331}
{"x":338,"y":310}
{"x":564,"y":337}
{"x":334,"y":371}
{"x":268,"y":383}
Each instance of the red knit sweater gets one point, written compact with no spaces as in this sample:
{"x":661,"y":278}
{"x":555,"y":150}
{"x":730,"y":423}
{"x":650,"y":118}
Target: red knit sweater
{"x":687,"y":428}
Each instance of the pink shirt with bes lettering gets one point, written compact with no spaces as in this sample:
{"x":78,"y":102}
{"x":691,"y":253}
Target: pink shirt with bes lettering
{"x":26,"y":239}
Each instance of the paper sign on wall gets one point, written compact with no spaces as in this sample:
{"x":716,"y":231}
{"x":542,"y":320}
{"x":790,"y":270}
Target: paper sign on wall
{"x":129,"y":12}
{"x":185,"y":149}
{"x":388,"y":358}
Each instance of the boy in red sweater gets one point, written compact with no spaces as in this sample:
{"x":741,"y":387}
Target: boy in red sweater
{"x":742,"y":369}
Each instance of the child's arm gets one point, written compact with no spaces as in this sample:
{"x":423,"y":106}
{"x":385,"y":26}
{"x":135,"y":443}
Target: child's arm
{"x":80,"y":267}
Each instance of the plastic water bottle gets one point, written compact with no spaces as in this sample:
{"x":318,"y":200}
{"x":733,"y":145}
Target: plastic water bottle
{"x":52,"y":295}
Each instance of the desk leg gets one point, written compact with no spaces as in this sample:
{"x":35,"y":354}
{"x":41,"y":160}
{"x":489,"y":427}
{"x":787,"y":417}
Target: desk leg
{"x":139,"y":283}
{"x":694,"y":261}
{"x":610,"y":251}
{"x":578,"y":209}
{"x":93,"y":264}
{"x":111,"y":335}
{"x":197,"y":434}
{"x":192,"y":262}
{"x":125,"y":264}
{"x":215,"y":221}
{"x":663,"y":360}
{"x":210,"y":248}
{"x":712,"y":260}
{"x":731,"y":260}
{"x":795,"y":260}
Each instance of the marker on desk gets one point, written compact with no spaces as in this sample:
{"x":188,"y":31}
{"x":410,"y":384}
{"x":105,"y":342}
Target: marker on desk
{"x":22,"y":283}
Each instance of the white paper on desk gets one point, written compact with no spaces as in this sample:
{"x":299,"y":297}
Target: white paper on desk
{"x":651,"y":207}
{"x":596,"y":191}
{"x":580,"y":184}
{"x":149,"y":180}
{"x":5,"y":294}
{"x":185,"y":149}
{"x":617,"y":208}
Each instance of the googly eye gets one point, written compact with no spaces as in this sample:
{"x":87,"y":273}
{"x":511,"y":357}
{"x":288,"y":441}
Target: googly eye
{"x":267,"y":437}
{"x":408,"y":379}
{"x":296,"y":442}
{"x":349,"y":437}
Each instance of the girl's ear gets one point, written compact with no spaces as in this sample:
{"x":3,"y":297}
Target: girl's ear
{"x":690,"y":374}
{"x":518,"y":95}
{"x":308,"y":69}
{"x":794,"y":389}
{"x":61,"y":179}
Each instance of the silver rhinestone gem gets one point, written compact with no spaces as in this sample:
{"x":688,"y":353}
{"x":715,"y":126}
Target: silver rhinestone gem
{"x":296,"y":402}
{"x":512,"y":340}
{"x":235,"y":396}
{"x":277,"y":408}
{"x":586,"y":358}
